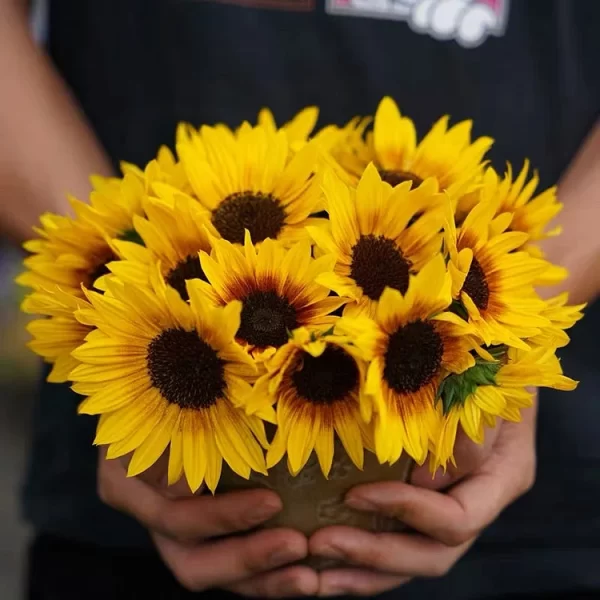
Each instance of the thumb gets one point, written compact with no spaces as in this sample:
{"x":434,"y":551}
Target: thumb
{"x":468,"y":455}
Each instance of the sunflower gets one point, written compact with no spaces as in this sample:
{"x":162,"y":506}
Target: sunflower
{"x":561,"y":317}
{"x":72,"y":252}
{"x":55,"y":338}
{"x":298,"y":129}
{"x":414,"y":344}
{"x":275,"y":285}
{"x":347,"y":150}
{"x":112,"y":205}
{"x":317,"y":379}
{"x":163,"y":169}
{"x":253,"y":180}
{"x":530,"y":214}
{"x":378,"y":235}
{"x":165,"y":373}
{"x":448,"y":154}
{"x":173,"y":232}
{"x":492,"y":280}
{"x":489,"y":390}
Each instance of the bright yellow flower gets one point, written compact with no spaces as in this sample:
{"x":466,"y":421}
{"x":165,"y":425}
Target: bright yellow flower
{"x":493,"y":280}
{"x":414,"y":344}
{"x":317,"y":379}
{"x":164,"y":373}
{"x":253,"y":180}
{"x":163,"y":169}
{"x":489,"y":390}
{"x":71,"y":253}
{"x":74,"y":251}
{"x":561,"y":316}
{"x":347,"y":150}
{"x":55,"y":338}
{"x":378,"y":235}
{"x":276,"y":287}
{"x":175,"y":229}
{"x":448,"y":154}
{"x":298,"y":129}
{"x":530,"y":214}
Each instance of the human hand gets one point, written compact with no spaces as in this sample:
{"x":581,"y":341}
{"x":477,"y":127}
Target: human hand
{"x":184,"y":527}
{"x":489,"y":478}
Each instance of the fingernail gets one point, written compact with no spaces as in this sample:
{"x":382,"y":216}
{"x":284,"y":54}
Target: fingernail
{"x":263,"y":512}
{"x":292,"y":587}
{"x":360,"y":502}
{"x":333,"y":588}
{"x":283,"y":555}
{"x":330,"y":552}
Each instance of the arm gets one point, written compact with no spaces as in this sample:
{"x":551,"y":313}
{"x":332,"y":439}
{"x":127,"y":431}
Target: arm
{"x":578,"y":247}
{"x":47,"y":148}
{"x":46,"y":151}
{"x":489,"y":477}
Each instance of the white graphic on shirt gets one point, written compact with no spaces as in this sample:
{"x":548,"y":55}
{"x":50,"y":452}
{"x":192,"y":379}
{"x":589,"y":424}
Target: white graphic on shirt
{"x":469,"y":22}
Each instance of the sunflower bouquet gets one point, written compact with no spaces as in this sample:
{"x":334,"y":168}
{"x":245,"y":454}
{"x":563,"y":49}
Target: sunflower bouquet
{"x":269,"y":293}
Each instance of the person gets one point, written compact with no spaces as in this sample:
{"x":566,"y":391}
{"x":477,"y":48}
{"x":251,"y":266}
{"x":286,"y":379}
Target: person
{"x":114,"y":80}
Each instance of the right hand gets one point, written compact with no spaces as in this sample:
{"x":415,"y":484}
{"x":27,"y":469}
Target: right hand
{"x":183,"y":525}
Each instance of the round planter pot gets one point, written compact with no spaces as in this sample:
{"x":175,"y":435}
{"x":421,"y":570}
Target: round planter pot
{"x":311,"y":502}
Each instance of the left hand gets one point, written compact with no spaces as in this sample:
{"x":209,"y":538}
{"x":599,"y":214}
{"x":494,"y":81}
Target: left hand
{"x":489,"y":478}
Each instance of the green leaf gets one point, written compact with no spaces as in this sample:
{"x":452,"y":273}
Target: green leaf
{"x":456,"y":388}
{"x":131,"y":235}
{"x":458,"y":308}
{"x":498,"y":352}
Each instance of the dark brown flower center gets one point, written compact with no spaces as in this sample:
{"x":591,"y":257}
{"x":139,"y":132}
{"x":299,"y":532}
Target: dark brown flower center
{"x":261,"y":214}
{"x":394,"y":178}
{"x":266,"y":319}
{"x":185,"y":369}
{"x":327,"y":378}
{"x":378,"y":263}
{"x":189,"y":268}
{"x":413,"y":357}
{"x":476,"y":286}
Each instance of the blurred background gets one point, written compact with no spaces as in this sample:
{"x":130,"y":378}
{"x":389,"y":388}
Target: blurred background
{"x":19,"y":373}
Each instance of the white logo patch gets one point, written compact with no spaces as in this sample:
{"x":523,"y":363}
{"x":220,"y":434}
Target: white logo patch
{"x":469,"y":22}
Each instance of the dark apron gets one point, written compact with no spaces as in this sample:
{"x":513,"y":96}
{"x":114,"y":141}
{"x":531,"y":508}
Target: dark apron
{"x":139,"y":66}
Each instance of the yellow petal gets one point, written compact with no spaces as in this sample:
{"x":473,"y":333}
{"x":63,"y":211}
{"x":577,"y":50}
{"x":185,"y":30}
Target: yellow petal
{"x":302,"y":437}
{"x":118,"y":425}
{"x":155,"y":444}
{"x":214,"y":463}
{"x":276,"y":449}
{"x":175,"y":468}
{"x":394,"y":136}
{"x":194,"y":454}
{"x":347,"y":427}
{"x":115,"y":395}
{"x":324,"y":449}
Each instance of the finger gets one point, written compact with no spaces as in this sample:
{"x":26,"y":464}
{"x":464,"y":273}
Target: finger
{"x":184,"y":519}
{"x":357,"y":582}
{"x":451,"y":518}
{"x":284,"y":583}
{"x":468,"y":455}
{"x":224,"y":562}
{"x":408,"y":555}
{"x":469,"y":506}
{"x":156,"y":476}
